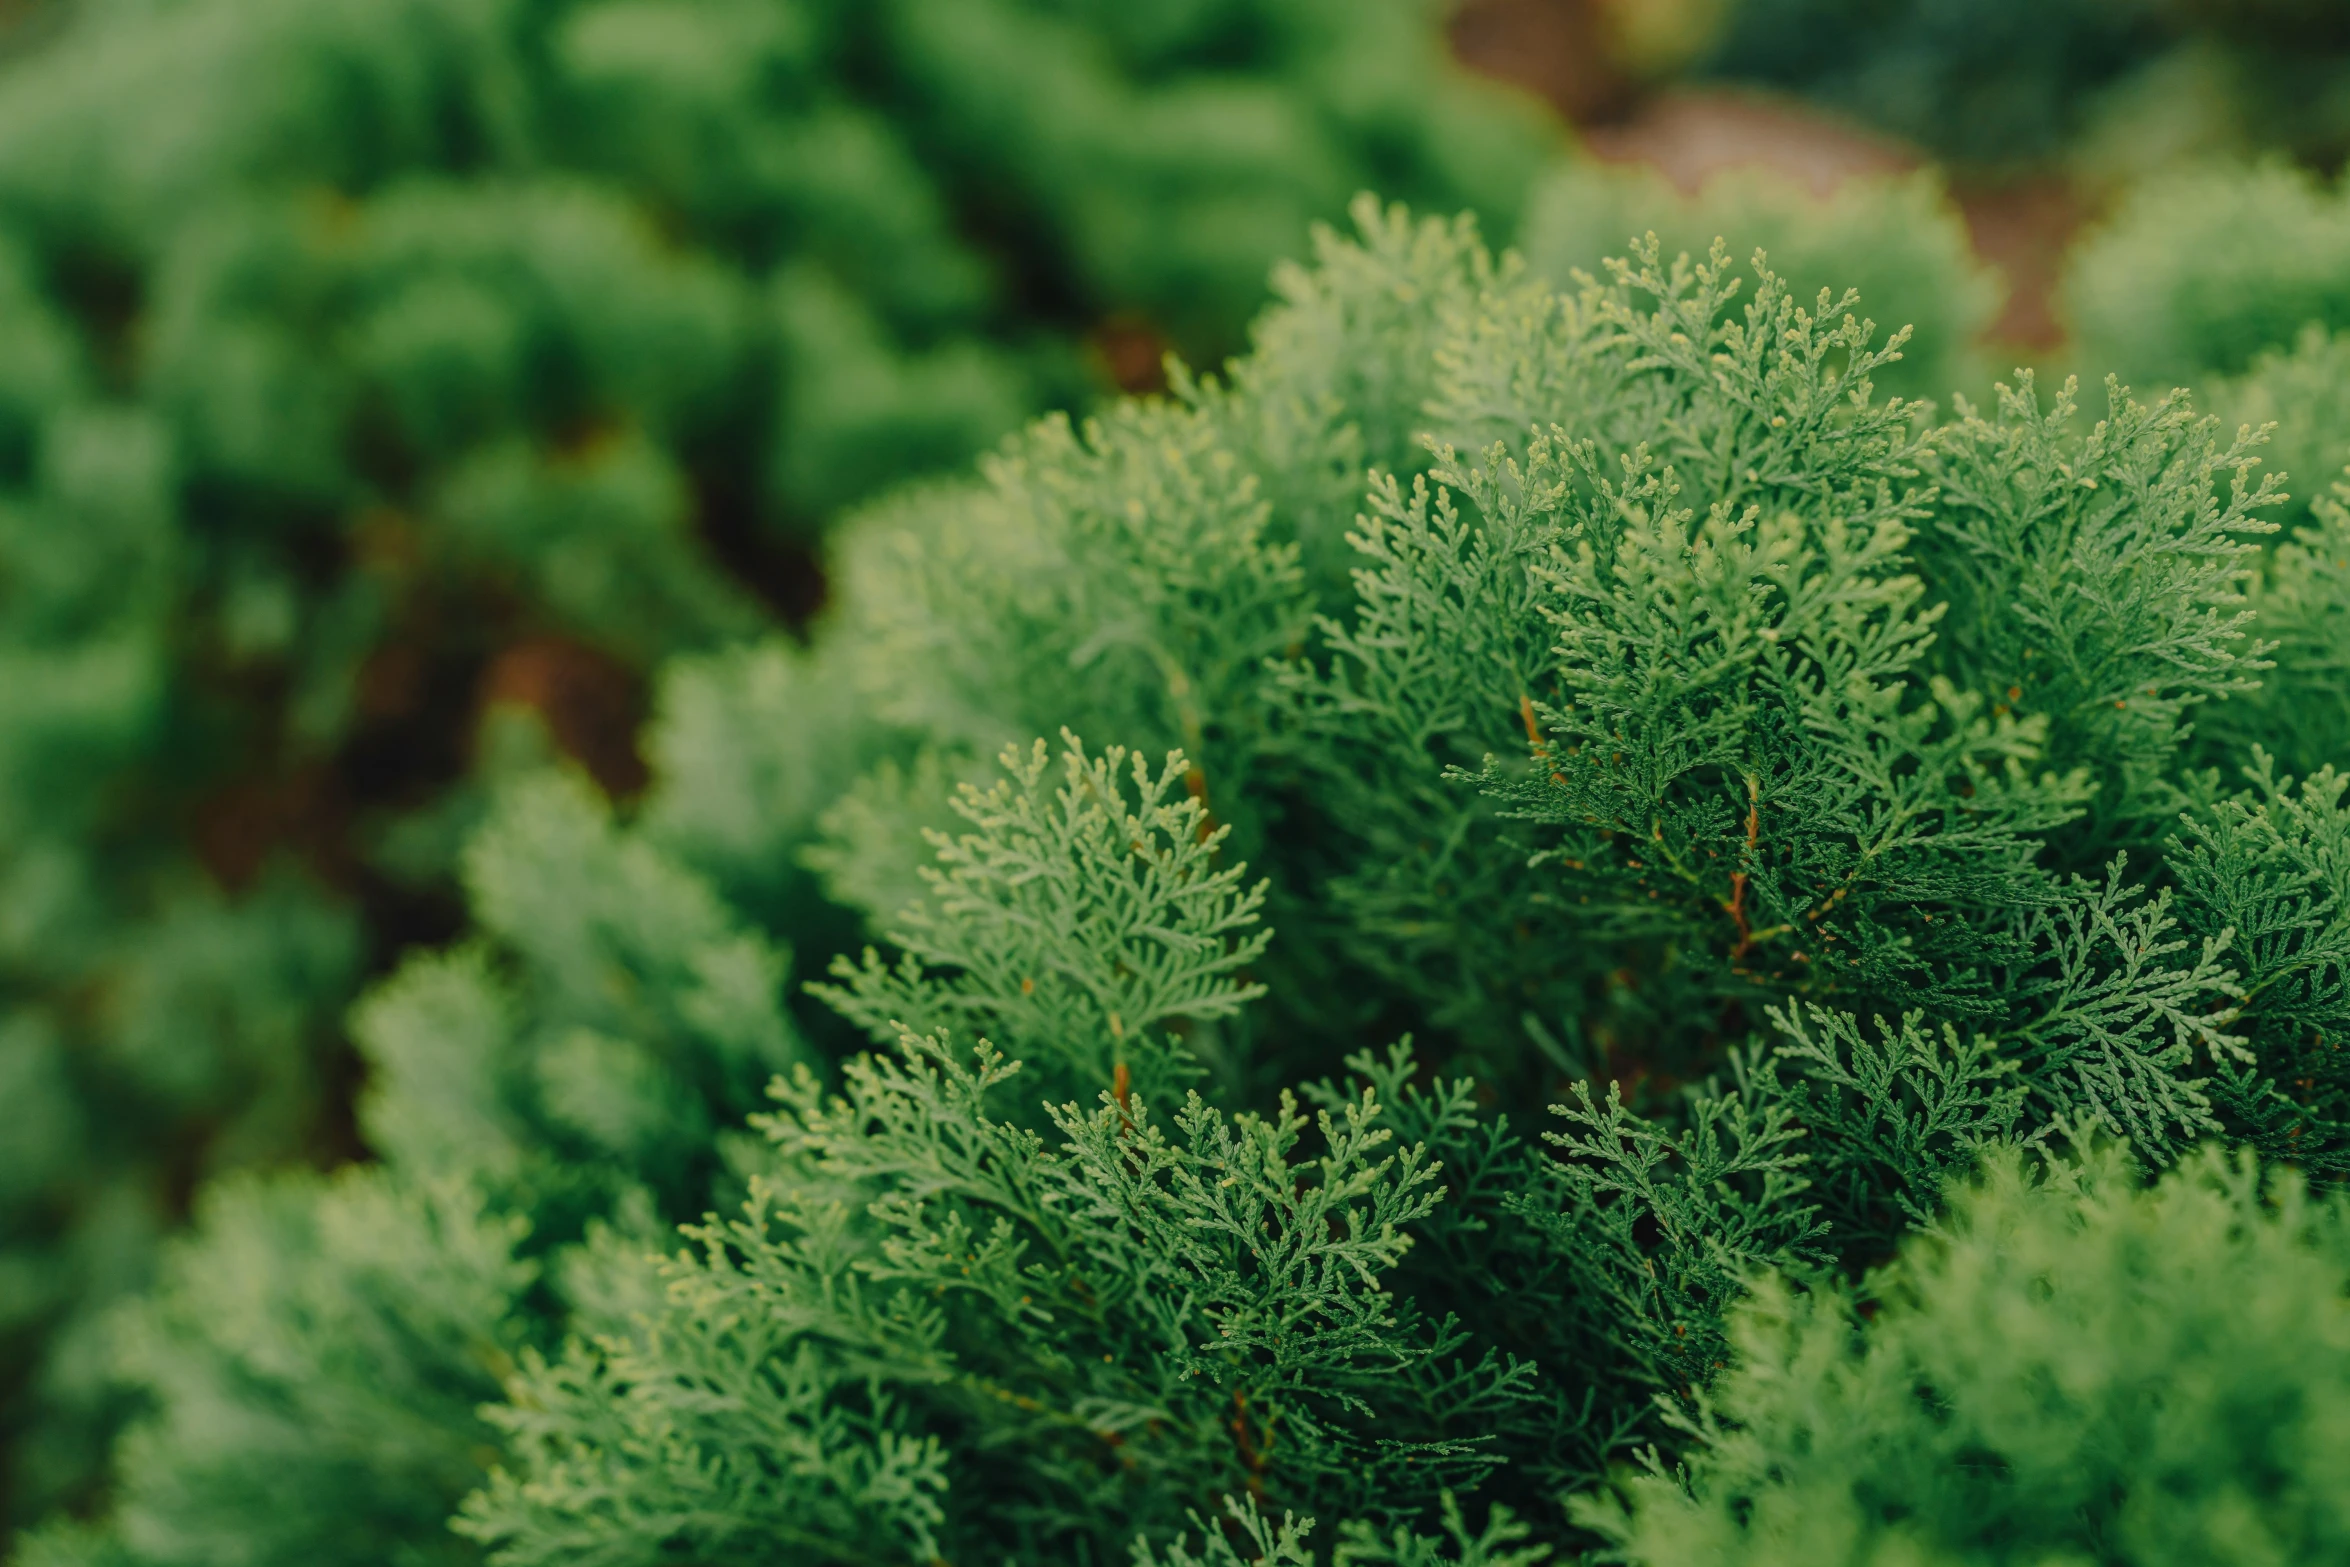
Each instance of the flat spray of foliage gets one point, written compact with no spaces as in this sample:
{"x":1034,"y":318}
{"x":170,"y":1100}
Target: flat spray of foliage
{"x":367,"y":363}
{"x":1760,"y":803}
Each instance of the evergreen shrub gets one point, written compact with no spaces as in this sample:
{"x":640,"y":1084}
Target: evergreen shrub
{"x":2200,"y":272}
{"x":1897,"y":240}
{"x":2227,"y":280}
{"x":2304,"y":391}
{"x":1390,"y":962}
{"x":2103,"y":86}
{"x":367,"y":363}
{"x":2068,"y":1368}
{"x":1986,"y":81}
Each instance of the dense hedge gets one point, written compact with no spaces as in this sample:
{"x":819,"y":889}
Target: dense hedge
{"x":1759,"y":802}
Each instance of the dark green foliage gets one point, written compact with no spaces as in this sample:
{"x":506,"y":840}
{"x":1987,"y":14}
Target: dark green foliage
{"x":1981,"y":80}
{"x":2066,"y":1368}
{"x":2299,"y":595}
{"x":1893,"y":1110}
{"x":1760,"y":803}
{"x":1038,"y":1346}
{"x":1680,"y":636}
{"x":371,"y":364}
{"x":2106,"y":85}
{"x":1662,"y":1222}
{"x":2270,"y":866}
{"x":1162,"y":152}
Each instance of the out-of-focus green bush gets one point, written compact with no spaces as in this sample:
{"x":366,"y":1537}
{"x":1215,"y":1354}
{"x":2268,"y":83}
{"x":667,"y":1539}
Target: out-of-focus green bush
{"x":369,"y":364}
{"x":2201,"y":271}
{"x":2235,"y":280}
{"x":1972,"y":79}
{"x":2009,"y":82}
{"x":1897,"y":241}
{"x":2304,"y":391}
{"x":2069,"y":1369}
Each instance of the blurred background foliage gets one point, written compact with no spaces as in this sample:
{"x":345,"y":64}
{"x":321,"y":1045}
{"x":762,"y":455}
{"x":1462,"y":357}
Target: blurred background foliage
{"x":389,"y":387}
{"x":386,"y":386}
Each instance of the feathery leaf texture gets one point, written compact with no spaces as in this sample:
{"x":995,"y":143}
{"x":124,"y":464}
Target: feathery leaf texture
{"x":1445,"y":1032}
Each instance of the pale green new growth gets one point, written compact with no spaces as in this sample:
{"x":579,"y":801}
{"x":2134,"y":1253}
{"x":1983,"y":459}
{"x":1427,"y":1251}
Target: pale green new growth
{"x":1075,"y":925}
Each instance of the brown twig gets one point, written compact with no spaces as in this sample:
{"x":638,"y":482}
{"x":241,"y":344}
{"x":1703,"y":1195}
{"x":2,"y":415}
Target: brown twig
{"x":1252,"y":1457}
{"x":1735,"y":904}
{"x":1121,"y":1085}
{"x":1196,"y":782}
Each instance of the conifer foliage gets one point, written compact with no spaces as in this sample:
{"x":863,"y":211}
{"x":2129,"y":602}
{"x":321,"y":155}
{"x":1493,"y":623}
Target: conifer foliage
{"x":367,"y":364}
{"x":1566,"y":804}
{"x":2068,"y":1366}
{"x":1898,"y":240}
